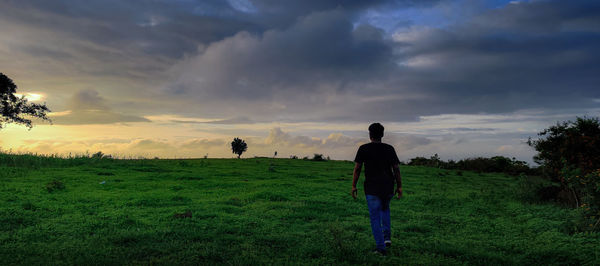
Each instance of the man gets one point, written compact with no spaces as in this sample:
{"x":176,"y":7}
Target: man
{"x":381,"y":170}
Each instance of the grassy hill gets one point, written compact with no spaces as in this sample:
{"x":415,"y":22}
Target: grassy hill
{"x":267,"y":211}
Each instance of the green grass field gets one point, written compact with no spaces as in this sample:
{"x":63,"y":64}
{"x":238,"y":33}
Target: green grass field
{"x":268,"y":211}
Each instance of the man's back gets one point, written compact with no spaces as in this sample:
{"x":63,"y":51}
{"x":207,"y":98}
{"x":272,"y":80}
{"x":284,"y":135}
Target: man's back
{"x":378,"y":159}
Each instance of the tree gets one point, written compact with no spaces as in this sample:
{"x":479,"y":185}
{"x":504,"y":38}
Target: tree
{"x":238,"y":146}
{"x":568,"y":144}
{"x":18,"y":110}
{"x":569,"y":153}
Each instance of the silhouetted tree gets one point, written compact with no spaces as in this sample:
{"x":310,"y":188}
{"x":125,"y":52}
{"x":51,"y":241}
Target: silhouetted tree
{"x":18,"y":110}
{"x":569,"y":151}
{"x":575,"y":144}
{"x":238,"y":146}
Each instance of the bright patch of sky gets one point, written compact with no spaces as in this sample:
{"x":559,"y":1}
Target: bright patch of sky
{"x":30,"y":96}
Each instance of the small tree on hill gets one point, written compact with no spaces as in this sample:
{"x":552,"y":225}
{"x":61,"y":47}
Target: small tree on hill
{"x":18,"y":110}
{"x":238,"y":146}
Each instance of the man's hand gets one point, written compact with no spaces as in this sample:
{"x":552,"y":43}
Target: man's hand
{"x":396,"y":170}
{"x":355,"y":175}
{"x":399,"y":192}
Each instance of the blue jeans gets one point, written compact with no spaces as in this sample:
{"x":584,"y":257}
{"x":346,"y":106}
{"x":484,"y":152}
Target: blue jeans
{"x":379,"y":212}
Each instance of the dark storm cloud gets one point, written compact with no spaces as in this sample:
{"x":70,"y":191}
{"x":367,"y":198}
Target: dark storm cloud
{"x":135,"y":41}
{"x":318,"y":49}
{"x":168,"y":28}
{"x":541,"y":54}
{"x":286,"y":72}
{"x":528,"y":55}
{"x":280,"y":14}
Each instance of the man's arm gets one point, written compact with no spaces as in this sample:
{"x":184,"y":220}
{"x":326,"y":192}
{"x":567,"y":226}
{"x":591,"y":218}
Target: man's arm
{"x":355,"y":176}
{"x":396,"y":170}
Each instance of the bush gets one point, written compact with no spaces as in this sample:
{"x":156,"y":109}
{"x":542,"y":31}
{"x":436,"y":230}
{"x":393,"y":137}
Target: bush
{"x":498,"y":164}
{"x":587,"y":188}
{"x":568,"y":144}
{"x":318,"y":157}
{"x":433,"y":161}
{"x":570,"y":155}
{"x":101,"y":155}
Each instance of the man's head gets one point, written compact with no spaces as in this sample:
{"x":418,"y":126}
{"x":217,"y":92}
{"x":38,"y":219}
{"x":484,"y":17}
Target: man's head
{"x":376,"y":131}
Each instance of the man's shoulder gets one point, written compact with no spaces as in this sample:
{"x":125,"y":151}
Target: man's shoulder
{"x":388,"y":146}
{"x":364,"y":145}
{"x":376,"y":145}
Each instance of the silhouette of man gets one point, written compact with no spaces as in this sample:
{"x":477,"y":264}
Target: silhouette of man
{"x":381,"y":170}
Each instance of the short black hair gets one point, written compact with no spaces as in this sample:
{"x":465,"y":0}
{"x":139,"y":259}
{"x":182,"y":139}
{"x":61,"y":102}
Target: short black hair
{"x":376,"y":131}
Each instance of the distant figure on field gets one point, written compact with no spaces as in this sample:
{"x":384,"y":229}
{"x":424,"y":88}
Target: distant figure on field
{"x":381,"y":170}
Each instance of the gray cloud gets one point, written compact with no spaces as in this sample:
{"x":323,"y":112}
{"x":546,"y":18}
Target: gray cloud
{"x":466,"y":129}
{"x":281,"y":14}
{"x":403,"y":142}
{"x":522,"y":56}
{"x":131,"y":44}
{"x":539,"y":54}
{"x":165,"y":28}
{"x":234,"y":120}
{"x":168,"y":28}
{"x":285,"y":70}
{"x":88,"y":107}
{"x":278,"y":137}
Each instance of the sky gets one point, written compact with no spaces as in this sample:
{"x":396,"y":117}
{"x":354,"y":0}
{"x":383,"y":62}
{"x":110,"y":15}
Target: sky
{"x":182,"y":78}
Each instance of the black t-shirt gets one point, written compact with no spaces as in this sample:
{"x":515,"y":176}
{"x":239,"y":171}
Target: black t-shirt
{"x":378,"y":159}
